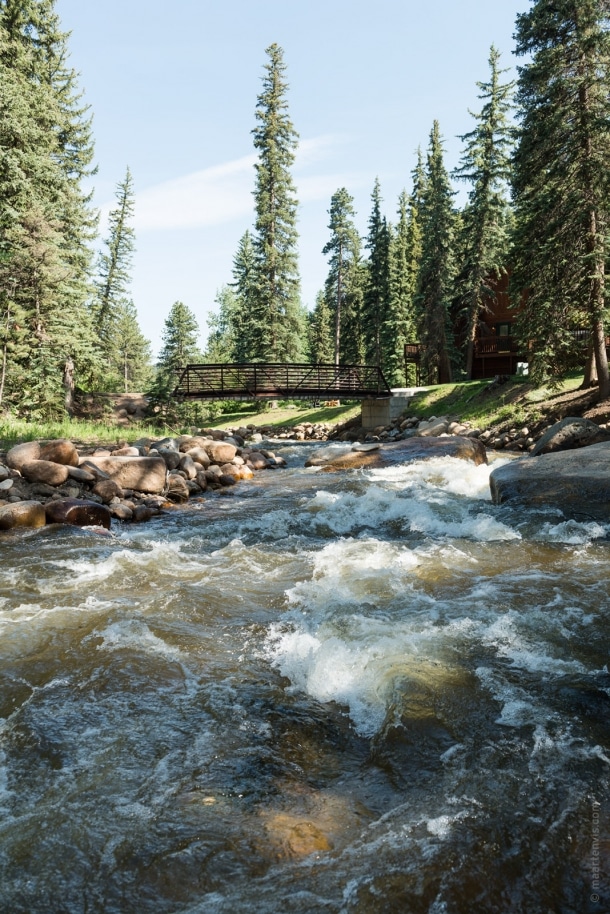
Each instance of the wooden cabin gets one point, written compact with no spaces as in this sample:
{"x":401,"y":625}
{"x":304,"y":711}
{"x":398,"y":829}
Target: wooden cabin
{"x":496,"y":351}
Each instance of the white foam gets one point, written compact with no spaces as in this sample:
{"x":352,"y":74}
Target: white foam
{"x":572,"y":532}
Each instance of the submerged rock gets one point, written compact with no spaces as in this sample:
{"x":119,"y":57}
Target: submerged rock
{"x":577,"y":482}
{"x":397,"y":452}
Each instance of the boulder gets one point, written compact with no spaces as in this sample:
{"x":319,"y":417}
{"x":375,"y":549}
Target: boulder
{"x":219,"y":452}
{"x":5,"y":485}
{"x":22,"y":453}
{"x":572,"y":432}
{"x":52,"y":474}
{"x":171,"y":457}
{"x":78,"y":512}
{"x":177,"y":489}
{"x":108,"y":489}
{"x":81,"y":475}
{"x":432,"y":428}
{"x":126,"y":451}
{"x":22,"y":514}
{"x":121,"y":511}
{"x":188,"y":466}
{"x":60,"y":451}
{"x":199,"y":455}
{"x":4,"y":472}
{"x":397,"y":452}
{"x":577,"y":482}
{"x":143,"y":474}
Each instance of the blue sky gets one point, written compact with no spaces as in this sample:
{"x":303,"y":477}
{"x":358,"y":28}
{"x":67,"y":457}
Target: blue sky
{"x":173,"y":88}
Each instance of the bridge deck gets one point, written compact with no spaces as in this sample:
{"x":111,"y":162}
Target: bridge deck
{"x":282,"y":381}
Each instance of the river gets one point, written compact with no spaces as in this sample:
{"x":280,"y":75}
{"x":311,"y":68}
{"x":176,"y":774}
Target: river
{"x":315,"y":692}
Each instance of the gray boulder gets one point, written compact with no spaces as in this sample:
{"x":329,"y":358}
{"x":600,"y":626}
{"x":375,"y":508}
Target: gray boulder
{"x":572,"y":432}
{"x":576,"y":482}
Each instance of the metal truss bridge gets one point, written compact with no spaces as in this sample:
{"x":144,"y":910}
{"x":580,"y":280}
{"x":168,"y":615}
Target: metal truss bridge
{"x":280,"y":381}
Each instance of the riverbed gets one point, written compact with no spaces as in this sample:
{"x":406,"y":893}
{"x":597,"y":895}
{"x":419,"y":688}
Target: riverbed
{"x":368,"y":692}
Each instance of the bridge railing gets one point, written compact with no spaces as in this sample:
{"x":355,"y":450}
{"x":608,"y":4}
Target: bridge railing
{"x":259,"y":380}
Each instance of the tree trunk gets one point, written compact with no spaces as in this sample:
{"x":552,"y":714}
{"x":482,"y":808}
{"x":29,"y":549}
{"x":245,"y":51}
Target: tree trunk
{"x":68,"y":382}
{"x":590,"y":378}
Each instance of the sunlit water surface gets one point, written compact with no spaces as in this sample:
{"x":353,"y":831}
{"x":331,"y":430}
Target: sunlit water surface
{"x":360,"y":692}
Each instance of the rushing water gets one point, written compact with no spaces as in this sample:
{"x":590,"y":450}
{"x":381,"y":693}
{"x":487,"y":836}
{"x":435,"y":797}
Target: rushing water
{"x":359,"y":692}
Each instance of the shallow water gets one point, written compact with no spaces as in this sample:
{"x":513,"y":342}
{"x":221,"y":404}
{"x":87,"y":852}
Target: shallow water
{"x":361,"y":692}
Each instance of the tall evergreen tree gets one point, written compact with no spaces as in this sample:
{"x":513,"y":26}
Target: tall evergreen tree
{"x":377,"y":291}
{"x":180,"y":341}
{"x":130,"y":350}
{"x":399,"y":326}
{"x":223,"y":327}
{"x":114,"y":266}
{"x":437,"y":269}
{"x":46,"y":222}
{"x":344,"y":249}
{"x":321,"y":332}
{"x":562,"y":174}
{"x":277,"y":319}
{"x":485,"y":225}
{"x":244,"y":287}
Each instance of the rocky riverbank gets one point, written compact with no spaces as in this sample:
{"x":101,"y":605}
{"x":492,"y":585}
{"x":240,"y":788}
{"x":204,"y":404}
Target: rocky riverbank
{"x":58,"y":482}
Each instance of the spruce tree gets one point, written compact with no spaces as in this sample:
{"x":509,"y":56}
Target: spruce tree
{"x":561,"y":183}
{"x":223,"y":327}
{"x":180,"y":345}
{"x":46,"y":221}
{"x":437,"y":268}
{"x":130,"y":350}
{"x":377,"y":290}
{"x":321,"y":332}
{"x":244,"y":287}
{"x":277,"y":319}
{"x":114,"y":265}
{"x":344,"y":248}
{"x":485,"y":223}
{"x":399,"y":326}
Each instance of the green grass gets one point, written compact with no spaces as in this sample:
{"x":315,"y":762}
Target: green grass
{"x":484,"y":405}
{"x":13,"y":431}
{"x":288,"y":415}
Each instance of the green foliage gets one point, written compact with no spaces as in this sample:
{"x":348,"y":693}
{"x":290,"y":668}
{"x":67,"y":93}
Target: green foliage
{"x":223,"y":329}
{"x":321,"y":342}
{"x":276,"y":318}
{"x":46,"y":223}
{"x":341,"y":287}
{"x":129,"y":351}
{"x":399,"y":326}
{"x":486,"y":221}
{"x":561,"y":180}
{"x":437,"y":268}
{"x":114,"y":266}
{"x":377,"y":289}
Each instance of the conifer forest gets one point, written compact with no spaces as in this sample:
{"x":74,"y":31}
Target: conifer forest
{"x":535,"y":165}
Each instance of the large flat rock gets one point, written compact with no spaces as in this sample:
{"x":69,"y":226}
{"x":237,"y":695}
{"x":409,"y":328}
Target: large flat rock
{"x":397,"y":452}
{"x":577,"y":482}
{"x":143,"y":474}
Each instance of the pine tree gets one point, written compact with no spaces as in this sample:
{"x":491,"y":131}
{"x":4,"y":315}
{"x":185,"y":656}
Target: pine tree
{"x":344,"y":248}
{"x":485,"y":226}
{"x":321,"y":333}
{"x":277,"y":319}
{"x":377,"y":291}
{"x":561,"y":184}
{"x":399,"y":327}
{"x":180,"y":347}
{"x":223,"y":326}
{"x":244,"y":286}
{"x":130,"y":350}
{"x":114,"y":265}
{"x":46,"y":222}
{"x":437,"y":269}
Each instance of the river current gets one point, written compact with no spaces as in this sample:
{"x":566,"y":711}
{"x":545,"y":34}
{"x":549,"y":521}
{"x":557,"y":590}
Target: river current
{"x":367,"y":692}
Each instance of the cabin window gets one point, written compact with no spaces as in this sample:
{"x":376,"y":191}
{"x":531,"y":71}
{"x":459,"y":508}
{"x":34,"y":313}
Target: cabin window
{"x":503,"y":329}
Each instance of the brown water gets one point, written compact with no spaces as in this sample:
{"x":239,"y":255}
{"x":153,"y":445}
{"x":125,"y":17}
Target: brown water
{"x":369,"y":692}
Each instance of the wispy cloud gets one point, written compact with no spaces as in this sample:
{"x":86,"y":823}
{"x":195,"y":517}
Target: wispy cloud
{"x":223,"y":193}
